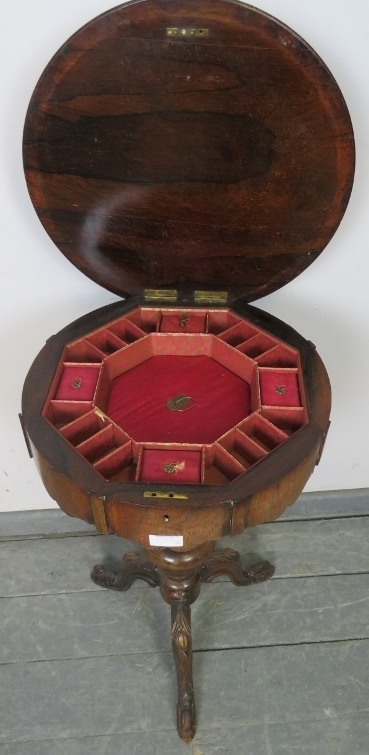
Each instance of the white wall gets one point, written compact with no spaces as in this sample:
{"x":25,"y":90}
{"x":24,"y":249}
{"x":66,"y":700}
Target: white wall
{"x":41,"y":292}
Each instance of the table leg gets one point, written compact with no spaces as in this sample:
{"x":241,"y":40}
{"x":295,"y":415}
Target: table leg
{"x":179,"y":575}
{"x":227,"y":562}
{"x":133,"y":566}
{"x":182,"y":652}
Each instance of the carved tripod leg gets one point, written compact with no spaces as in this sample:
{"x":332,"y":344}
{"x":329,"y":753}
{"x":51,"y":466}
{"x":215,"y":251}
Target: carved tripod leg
{"x":133,"y":566}
{"x":228,"y":562}
{"x":182,"y":652}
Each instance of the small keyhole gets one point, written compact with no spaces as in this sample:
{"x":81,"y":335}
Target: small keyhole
{"x":166,"y":518}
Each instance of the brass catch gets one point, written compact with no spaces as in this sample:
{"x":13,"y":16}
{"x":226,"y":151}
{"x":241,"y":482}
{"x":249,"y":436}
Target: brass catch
{"x":160,"y":494}
{"x":179,"y":31}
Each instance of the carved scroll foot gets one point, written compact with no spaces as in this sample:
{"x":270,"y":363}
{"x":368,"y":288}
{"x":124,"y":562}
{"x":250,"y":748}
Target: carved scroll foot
{"x":228,"y":562}
{"x":182,"y":652}
{"x":133,"y":566}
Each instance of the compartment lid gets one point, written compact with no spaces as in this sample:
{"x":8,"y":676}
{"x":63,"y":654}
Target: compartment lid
{"x":188,"y":146}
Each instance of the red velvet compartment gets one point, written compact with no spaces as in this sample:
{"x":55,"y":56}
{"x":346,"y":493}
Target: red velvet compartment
{"x":279,"y":388}
{"x":138,"y":400}
{"x":119,"y":420}
{"x":87,"y":373}
{"x":187,"y":466}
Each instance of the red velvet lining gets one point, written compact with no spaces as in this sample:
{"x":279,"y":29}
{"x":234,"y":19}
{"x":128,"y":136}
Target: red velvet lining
{"x":183,"y":323}
{"x":187,"y":466}
{"x":138,"y":400}
{"x":88,"y":375}
{"x":279,"y":388}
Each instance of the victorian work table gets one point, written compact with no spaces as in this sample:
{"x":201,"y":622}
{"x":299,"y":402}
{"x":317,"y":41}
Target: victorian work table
{"x":191,"y":157}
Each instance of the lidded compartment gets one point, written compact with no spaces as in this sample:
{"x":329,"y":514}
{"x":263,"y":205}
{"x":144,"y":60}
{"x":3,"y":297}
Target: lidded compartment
{"x":197,"y":156}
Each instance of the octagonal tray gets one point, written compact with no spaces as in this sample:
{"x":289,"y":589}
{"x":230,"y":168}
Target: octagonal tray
{"x":184,"y":396}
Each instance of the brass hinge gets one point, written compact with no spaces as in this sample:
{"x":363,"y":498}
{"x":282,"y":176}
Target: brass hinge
{"x":211,"y":297}
{"x":156,"y":294}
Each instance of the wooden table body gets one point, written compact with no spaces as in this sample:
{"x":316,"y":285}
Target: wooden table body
{"x":207,"y":512}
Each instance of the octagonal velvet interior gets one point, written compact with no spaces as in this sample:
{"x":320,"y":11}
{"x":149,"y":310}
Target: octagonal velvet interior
{"x":165,"y":395}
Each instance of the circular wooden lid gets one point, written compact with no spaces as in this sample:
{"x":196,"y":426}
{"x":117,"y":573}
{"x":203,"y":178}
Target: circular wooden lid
{"x":188,"y":145}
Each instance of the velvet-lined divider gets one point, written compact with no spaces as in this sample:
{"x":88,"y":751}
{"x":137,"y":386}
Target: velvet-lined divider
{"x":83,"y":428}
{"x":106,"y":341}
{"x":221,"y":466}
{"x":83,"y":351}
{"x":126,"y":330}
{"x":278,"y":356}
{"x":102,"y":443}
{"x":119,"y":465}
{"x":262,"y":432}
{"x":218,"y":321}
{"x":239,"y":333}
{"x":145,"y":318}
{"x":257,"y":345}
{"x":242,"y":448}
{"x":289,"y":419}
{"x":62,"y":413}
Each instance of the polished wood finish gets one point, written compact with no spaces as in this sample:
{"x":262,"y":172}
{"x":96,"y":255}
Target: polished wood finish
{"x":221,"y":162}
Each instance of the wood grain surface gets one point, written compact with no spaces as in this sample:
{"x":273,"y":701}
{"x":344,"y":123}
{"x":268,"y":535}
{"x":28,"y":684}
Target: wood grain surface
{"x":224,"y":161}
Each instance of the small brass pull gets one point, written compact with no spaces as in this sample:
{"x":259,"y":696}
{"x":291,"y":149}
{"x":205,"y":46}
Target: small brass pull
{"x":281,"y":389}
{"x":174,"y":466}
{"x":183,"y":320}
{"x":77,"y":382}
{"x":181,"y":403}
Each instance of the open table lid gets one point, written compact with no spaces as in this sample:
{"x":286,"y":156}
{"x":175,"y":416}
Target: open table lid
{"x":188,"y":145}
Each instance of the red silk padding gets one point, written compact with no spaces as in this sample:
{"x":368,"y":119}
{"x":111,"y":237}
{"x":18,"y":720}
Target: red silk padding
{"x":138,"y":400}
{"x":271,"y":381}
{"x":188,"y":466}
{"x":87,"y":373}
{"x":183,"y":323}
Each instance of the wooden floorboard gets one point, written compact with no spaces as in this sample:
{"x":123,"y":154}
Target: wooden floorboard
{"x":280,"y":668}
{"x":135,"y":693}
{"x":332,"y":736}
{"x":279,"y":612}
{"x":298,"y":549}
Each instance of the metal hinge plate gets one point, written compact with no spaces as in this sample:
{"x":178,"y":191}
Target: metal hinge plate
{"x":156,"y":294}
{"x":211,"y":297}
